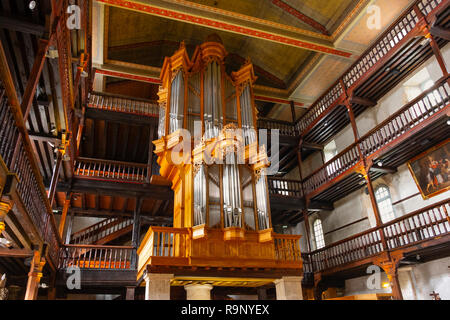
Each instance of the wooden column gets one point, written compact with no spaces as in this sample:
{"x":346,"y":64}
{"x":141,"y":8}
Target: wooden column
{"x":293,"y":112}
{"x":69,"y":229}
{"x":150,"y":152}
{"x":391,"y":270}
{"x":34,"y":276}
{"x":62,"y":222}
{"x":33,"y":80}
{"x":135,"y":237}
{"x":437,"y":54}
{"x":373,"y":200}
{"x":55,"y":176}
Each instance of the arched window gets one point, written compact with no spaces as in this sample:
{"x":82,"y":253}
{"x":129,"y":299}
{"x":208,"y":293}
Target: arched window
{"x":383,"y":197}
{"x":318,"y":234}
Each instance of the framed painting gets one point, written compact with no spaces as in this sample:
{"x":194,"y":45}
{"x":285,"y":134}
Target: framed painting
{"x":431,"y":170}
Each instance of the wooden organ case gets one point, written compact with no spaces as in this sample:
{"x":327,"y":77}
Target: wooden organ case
{"x":208,"y":149}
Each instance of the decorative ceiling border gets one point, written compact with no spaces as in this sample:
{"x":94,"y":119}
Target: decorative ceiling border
{"x":188,"y":18}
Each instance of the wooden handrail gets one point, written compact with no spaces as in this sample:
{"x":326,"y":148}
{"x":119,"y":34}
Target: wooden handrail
{"x":115,"y":95}
{"x":400,"y":232}
{"x":95,"y":246}
{"x":125,"y":163}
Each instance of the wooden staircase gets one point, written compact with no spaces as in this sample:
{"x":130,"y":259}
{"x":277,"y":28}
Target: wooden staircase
{"x":103,"y":232}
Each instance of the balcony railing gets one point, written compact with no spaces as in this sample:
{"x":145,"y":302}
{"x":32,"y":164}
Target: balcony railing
{"x":16,"y":151}
{"x":426,"y":224}
{"x":386,"y":134}
{"x":111,"y":170}
{"x":100,"y":230}
{"x":287,"y":248}
{"x":104,"y":101}
{"x":410,"y":116}
{"x":390,"y":42}
{"x":285,"y":187}
{"x":286,"y":128}
{"x":344,"y":161}
{"x":96,"y":257}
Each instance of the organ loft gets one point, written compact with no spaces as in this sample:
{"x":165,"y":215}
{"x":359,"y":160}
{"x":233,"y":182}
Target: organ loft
{"x":222,"y":231}
{"x":224,"y":150}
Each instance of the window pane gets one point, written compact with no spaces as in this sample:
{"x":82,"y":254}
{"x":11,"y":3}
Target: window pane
{"x":318,"y":234}
{"x":384,"y":202}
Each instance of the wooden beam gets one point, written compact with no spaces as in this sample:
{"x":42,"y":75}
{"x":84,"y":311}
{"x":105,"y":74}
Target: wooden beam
{"x":302,"y":17}
{"x":312,"y":146}
{"x":13,"y":24}
{"x":16,"y":253}
{"x":33,"y":79}
{"x":383,"y":169}
{"x":362,"y":101}
{"x":440,"y":32}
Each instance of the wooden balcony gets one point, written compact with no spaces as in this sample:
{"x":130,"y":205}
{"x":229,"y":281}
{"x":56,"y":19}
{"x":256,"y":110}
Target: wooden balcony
{"x":413,"y":129}
{"x":109,"y":170}
{"x":420,"y":231}
{"x":20,"y":179}
{"x":122,"y":104}
{"x":165,"y":248}
{"x":107,"y":266}
{"x":396,"y":53}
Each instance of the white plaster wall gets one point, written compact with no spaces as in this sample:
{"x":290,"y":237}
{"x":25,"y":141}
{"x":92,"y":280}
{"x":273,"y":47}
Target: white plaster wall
{"x":416,"y":281}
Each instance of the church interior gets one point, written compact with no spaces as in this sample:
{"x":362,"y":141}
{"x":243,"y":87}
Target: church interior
{"x":224,"y":150}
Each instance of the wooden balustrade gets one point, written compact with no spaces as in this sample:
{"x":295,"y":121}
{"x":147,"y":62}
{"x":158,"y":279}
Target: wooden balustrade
{"x":385,"y":134}
{"x":342,"y":162}
{"x":111,"y":170}
{"x":421,"y":225}
{"x":411,"y":115}
{"x":285,"y":187}
{"x":385,"y":46}
{"x":15,"y":149}
{"x":100,"y":230}
{"x":286,"y":128}
{"x":287,"y":247}
{"x":96,"y":257}
{"x":328,"y":100}
{"x":8,"y":130}
{"x":104,"y":101}
{"x":429,"y":223}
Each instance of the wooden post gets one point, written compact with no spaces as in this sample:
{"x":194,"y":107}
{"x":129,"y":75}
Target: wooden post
{"x":62,"y":222}
{"x":437,"y":54}
{"x":33,"y":80}
{"x":69,"y":229}
{"x":136,"y":231}
{"x":150,"y":153}
{"x":34,"y":276}
{"x":293,"y":112}
{"x":391,"y":270}
{"x":55,"y":176}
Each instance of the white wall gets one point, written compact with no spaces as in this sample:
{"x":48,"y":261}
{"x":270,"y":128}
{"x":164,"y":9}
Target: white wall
{"x":416,"y":281}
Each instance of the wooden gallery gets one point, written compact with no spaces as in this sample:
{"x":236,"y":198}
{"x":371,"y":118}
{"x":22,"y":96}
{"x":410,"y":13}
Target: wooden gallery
{"x":224,"y":150}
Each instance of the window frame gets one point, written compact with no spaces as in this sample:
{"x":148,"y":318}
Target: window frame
{"x":319,"y":239}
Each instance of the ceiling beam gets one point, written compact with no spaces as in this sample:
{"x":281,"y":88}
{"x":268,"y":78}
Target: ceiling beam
{"x":302,"y":17}
{"x":232,"y":22}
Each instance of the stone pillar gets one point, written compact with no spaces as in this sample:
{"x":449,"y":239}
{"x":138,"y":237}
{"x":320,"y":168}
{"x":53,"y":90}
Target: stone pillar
{"x":4,"y":209}
{"x":289,"y":288}
{"x":198,"y":291}
{"x":157,"y":286}
{"x":262,"y":293}
{"x":34,"y":276}
{"x":130,"y":293}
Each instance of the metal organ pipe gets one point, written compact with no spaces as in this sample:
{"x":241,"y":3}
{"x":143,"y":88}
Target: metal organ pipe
{"x":177,"y":103}
{"x":247,"y":116}
{"x":261,"y":202}
{"x":200,"y":197}
{"x":213,"y":116}
{"x":232,"y":193}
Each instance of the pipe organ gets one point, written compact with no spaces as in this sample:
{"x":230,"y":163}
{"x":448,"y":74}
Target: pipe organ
{"x":207,"y":120}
